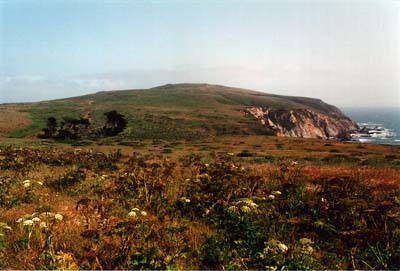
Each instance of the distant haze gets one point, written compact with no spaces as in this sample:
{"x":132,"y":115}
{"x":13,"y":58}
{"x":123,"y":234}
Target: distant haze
{"x":344,"y":52}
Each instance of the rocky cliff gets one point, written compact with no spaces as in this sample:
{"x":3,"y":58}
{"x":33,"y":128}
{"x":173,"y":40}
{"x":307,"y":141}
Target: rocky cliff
{"x":304,"y":123}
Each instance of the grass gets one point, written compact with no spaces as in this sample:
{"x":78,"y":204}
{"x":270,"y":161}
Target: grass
{"x":192,"y":184}
{"x":182,"y":111}
{"x":154,"y":204}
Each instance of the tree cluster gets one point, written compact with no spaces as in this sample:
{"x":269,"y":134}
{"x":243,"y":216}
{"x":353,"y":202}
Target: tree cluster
{"x":77,"y":128}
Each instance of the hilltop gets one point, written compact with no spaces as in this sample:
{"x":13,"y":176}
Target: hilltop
{"x":187,"y":111}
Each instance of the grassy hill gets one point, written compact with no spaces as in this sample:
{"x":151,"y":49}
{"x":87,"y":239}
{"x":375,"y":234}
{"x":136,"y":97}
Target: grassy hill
{"x":180,"y":111}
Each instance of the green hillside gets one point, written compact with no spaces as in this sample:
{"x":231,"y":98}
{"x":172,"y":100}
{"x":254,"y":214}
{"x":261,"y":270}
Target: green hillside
{"x":179,"y":111}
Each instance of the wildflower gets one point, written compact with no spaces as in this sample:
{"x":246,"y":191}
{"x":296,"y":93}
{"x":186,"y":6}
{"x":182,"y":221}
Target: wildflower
{"x":271,"y":197}
{"x":282,"y":247}
{"x":36,"y":219}
{"x":245,"y":209}
{"x":306,"y":245}
{"x":5,"y":226}
{"x":273,"y":245}
{"x":143,"y":213}
{"x":46,"y":215}
{"x":43,"y":225}
{"x":233,"y":209}
{"x":26,"y":185}
{"x":58,"y":217}
{"x":276,"y":193}
{"x":135,"y":209}
{"x":26,"y":181}
{"x":206,"y":165}
{"x":132,"y":214}
{"x":253,"y":204}
{"x":184,"y":199}
{"x":19,"y":220}
{"x":231,"y":154}
{"x":306,"y":241}
{"x":28,"y":222}
{"x":248,"y":201}
{"x":39,"y":183}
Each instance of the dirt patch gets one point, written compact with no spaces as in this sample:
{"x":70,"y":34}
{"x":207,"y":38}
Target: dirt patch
{"x":86,"y":102}
{"x":11,"y":119}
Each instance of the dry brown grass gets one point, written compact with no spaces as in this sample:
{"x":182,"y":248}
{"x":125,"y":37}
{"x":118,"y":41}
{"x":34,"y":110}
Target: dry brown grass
{"x":11,"y":119}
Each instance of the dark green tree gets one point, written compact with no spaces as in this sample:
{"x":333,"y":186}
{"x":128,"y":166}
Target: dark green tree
{"x":115,"y":123}
{"x":51,"y":128}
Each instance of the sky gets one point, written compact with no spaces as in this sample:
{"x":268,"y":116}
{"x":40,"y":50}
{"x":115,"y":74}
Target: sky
{"x":346,"y":53}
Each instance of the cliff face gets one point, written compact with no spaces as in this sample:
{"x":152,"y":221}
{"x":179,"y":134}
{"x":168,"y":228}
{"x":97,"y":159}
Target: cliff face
{"x":304,"y":123}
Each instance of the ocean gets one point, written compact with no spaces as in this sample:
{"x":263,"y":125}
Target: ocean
{"x":386,"y":118}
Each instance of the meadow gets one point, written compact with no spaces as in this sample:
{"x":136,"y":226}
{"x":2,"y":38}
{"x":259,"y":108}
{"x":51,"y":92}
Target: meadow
{"x":231,"y":202}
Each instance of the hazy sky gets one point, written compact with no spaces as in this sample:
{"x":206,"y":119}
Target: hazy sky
{"x":344,"y":52}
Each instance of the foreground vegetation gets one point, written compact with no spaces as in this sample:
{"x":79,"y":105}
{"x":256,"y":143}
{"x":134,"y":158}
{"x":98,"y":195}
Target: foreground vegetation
{"x":66,"y":208}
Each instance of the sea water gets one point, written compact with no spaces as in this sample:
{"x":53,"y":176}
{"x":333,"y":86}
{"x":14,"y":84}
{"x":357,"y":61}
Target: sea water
{"x":387,"y":118}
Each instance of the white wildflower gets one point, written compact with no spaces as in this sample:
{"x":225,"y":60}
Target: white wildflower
{"x":135,"y":209}
{"x":276,"y":193}
{"x":5,"y":226}
{"x":143,"y":213}
{"x":26,"y":181}
{"x":282,"y":247}
{"x":271,"y":197}
{"x":26,"y":185}
{"x":36,"y":219}
{"x":245,"y":209}
{"x":59,"y":217}
{"x":19,"y":220}
{"x":46,"y":215}
{"x":132,"y":214}
{"x":39,"y":183}
{"x":248,"y":201}
{"x":306,"y":241}
{"x":184,"y":199}
{"x":233,"y":209}
{"x":253,"y":204}
{"x":28,"y":222}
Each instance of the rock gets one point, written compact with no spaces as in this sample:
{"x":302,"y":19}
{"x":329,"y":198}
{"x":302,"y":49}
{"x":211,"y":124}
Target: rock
{"x":304,"y":123}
